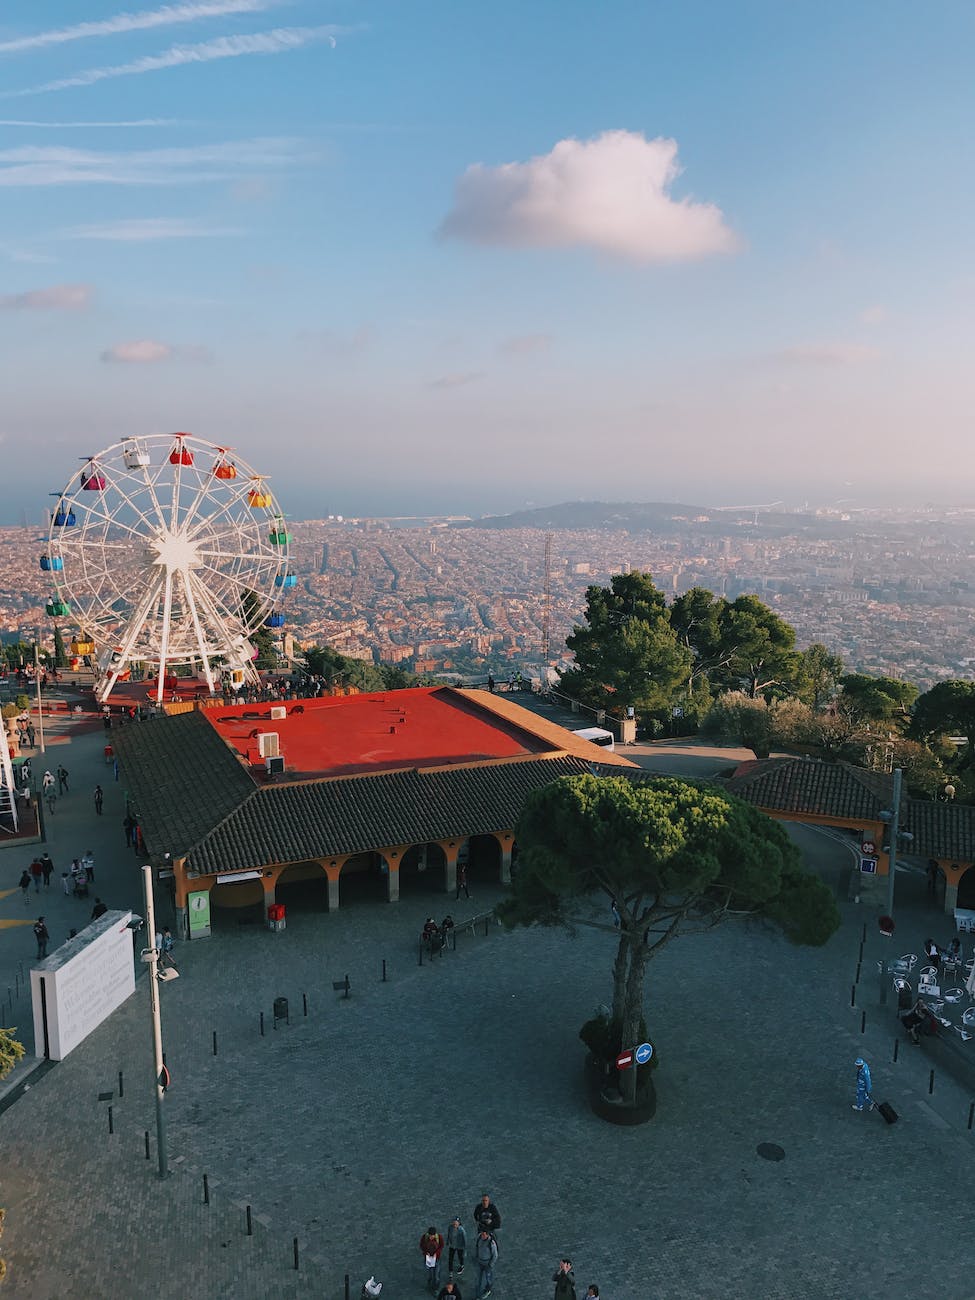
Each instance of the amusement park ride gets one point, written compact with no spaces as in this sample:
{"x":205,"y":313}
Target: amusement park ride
{"x":168,"y":553}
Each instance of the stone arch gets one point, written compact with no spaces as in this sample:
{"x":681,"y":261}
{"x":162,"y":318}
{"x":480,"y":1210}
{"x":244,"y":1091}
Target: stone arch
{"x":423,"y":868}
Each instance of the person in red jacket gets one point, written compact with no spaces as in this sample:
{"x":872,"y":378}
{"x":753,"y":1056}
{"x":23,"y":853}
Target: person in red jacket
{"x":432,"y":1244}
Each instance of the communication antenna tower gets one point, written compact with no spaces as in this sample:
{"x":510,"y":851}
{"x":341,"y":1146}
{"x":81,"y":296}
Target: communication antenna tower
{"x":547,"y":601}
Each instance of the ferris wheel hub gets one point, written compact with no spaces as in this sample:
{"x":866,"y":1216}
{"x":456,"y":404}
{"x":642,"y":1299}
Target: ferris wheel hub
{"x":174,"y":550}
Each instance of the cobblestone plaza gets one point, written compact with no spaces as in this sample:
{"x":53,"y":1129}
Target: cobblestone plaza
{"x":355,"y":1127}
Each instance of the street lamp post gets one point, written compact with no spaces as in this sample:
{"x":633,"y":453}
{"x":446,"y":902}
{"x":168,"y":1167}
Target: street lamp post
{"x":151,"y":955}
{"x":894,"y":833}
{"x":37,"y":682}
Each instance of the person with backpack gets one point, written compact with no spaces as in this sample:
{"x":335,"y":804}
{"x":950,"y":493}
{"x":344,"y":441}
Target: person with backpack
{"x":431,"y":1246}
{"x":456,"y":1245}
{"x":24,"y":883}
{"x":485,"y":1256}
{"x":42,"y":936}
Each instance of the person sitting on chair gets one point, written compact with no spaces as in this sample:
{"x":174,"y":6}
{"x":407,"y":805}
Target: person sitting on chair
{"x":431,"y":934}
{"x":913,"y":1020}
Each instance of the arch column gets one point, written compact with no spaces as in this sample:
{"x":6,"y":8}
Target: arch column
{"x":392,"y":855}
{"x":450,"y":850}
{"x":333,"y":870}
{"x":953,"y":875}
{"x":506,"y":839}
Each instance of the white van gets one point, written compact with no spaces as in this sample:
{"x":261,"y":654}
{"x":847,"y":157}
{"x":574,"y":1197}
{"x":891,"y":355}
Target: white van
{"x":598,"y":736}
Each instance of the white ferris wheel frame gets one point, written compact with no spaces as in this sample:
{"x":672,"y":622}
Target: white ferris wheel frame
{"x":168,"y":564}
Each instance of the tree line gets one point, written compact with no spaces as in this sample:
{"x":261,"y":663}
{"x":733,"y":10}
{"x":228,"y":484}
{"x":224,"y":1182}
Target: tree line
{"x":731,"y":669}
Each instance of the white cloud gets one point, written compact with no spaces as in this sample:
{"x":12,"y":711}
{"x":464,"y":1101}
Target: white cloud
{"x":279,"y":41}
{"x":58,"y":297}
{"x":523,"y":345}
{"x":145,"y":230}
{"x":148,"y":351}
{"x":611,"y":193}
{"x":458,"y":380}
{"x":830,"y":354}
{"x":165,"y":16}
{"x":40,"y":165}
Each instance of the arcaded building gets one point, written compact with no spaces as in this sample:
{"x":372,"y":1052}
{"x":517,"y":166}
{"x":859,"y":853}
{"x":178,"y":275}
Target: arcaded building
{"x":377,"y":791}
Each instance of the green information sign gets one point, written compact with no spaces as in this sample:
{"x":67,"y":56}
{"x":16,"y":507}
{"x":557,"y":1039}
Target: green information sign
{"x":198,"y":905}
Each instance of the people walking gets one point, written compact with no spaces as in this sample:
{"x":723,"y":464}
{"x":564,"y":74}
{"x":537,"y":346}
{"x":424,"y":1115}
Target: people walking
{"x":36,"y":873}
{"x":864,"y":1085}
{"x":486,"y":1214}
{"x":128,"y":825}
{"x":462,"y":881}
{"x":485,"y":1256}
{"x":52,"y":799}
{"x":456,"y":1245}
{"x":42,"y":936}
{"x":565,"y":1282}
{"x":99,"y":909}
{"x":88,"y":862}
{"x":62,"y":779}
{"x":47,"y":780}
{"x":99,"y":799}
{"x":431,"y":1245}
{"x":592,"y":1292}
{"x":47,"y":868}
{"x":24,"y":883}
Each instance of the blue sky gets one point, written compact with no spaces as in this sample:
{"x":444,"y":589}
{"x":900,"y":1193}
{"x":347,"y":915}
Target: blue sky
{"x":438,"y":256}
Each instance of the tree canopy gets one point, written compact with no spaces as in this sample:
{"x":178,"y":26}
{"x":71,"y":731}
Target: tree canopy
{"x":867,"y":699}
{"x":947,"y":708}
{"x":670,"y":856}
{"x":627,"y":654}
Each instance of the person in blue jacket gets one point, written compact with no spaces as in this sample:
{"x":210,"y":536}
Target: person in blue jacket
{"x":863,"y":1085}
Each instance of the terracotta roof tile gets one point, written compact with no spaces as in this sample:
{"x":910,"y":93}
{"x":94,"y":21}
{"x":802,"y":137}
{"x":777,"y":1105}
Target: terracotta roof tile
{"x":803,"y":785}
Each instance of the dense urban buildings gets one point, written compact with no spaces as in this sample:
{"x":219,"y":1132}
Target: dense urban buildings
{"x":889,"y":591}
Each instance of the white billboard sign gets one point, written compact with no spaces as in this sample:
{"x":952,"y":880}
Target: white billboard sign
{"x":81,"y":984}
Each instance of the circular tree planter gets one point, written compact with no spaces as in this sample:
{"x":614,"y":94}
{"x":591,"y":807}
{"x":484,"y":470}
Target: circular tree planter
{"x":606,"y":1101}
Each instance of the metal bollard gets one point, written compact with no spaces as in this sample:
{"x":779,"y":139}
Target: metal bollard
{"x":214,"y":1042}
{"x":896,"y":1046}
{"x":304,"y":1004}
{"x":121,"y":1086}
{"x":262,"y":1024}
{"x":857,"y":980}
{"x":931,"y":1083}
{"x":971,"y":1116}
{"x":295,"y":1243}
{"x":346,"y":1286}
{"x":863,"y":1022}
{"x":111,"y":1121}
{"x":853,"y":995}
{"x":250,"y":1226}
{"x":148,"y":1157}
{"x":384,"y":970}
{"x":420,"y":952}
{"x":206,"y":1190}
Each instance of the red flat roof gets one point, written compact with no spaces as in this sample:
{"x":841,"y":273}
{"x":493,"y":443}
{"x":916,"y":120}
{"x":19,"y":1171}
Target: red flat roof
{"x":427,"y":726}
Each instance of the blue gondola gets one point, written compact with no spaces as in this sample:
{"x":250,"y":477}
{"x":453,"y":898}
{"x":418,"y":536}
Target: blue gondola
{"x":286,"y":580}
{"x":52,"y":563}
{"x":274,"y":620}
{"x":64,"y":517}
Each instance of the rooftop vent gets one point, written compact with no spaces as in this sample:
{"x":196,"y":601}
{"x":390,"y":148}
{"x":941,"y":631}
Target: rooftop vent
{"x":267,"y":743}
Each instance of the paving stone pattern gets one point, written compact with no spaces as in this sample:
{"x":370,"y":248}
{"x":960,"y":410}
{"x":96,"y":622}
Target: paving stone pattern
{"x":357,"y":1126}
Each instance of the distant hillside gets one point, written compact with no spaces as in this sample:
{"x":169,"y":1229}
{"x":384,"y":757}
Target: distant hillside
{"x":655,"y":516}
{"x":629,"y":515}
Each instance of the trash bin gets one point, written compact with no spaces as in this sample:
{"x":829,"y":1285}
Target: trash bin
{"x":276,"y":916}
{"x":280,"y":1008}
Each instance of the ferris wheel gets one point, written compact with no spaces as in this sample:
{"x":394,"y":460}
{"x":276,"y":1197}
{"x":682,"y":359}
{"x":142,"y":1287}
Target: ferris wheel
{"x":167,"y":551}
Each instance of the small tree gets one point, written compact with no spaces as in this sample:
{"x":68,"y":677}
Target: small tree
{"x":60,"y":654}
{"x":10,"y":1051}
{"x":670,"y":856}
{"x":736,"y":719}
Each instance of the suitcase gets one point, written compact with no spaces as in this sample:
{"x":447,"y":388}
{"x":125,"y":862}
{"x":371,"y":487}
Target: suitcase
{"x":888,"y":1112}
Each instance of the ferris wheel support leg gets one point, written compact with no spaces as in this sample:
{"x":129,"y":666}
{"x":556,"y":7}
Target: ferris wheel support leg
{"x":200,"y":641}
{"x":105,"y":687}
{"x":164,"y":641}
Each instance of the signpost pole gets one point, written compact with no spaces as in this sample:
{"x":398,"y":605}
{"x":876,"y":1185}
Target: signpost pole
{"x":157,"y":1052}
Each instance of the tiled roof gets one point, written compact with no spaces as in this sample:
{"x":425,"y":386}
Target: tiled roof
{"x":941,"y":830}
{"x":181,"y":777}
{"x":291,"y":823}
{"x":803,"y":785}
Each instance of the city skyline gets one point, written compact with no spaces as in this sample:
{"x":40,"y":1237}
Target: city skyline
{"x":441,"y":260}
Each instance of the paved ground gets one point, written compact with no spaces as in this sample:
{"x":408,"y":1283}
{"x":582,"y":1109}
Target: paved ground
{"x":355,"y":1127}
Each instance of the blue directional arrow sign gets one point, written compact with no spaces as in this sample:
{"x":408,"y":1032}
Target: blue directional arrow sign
{"x":643,"y":1053}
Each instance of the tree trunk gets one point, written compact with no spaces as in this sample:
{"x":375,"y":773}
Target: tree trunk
{"x":619,"y":976}
{"x":633,"y":1013}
